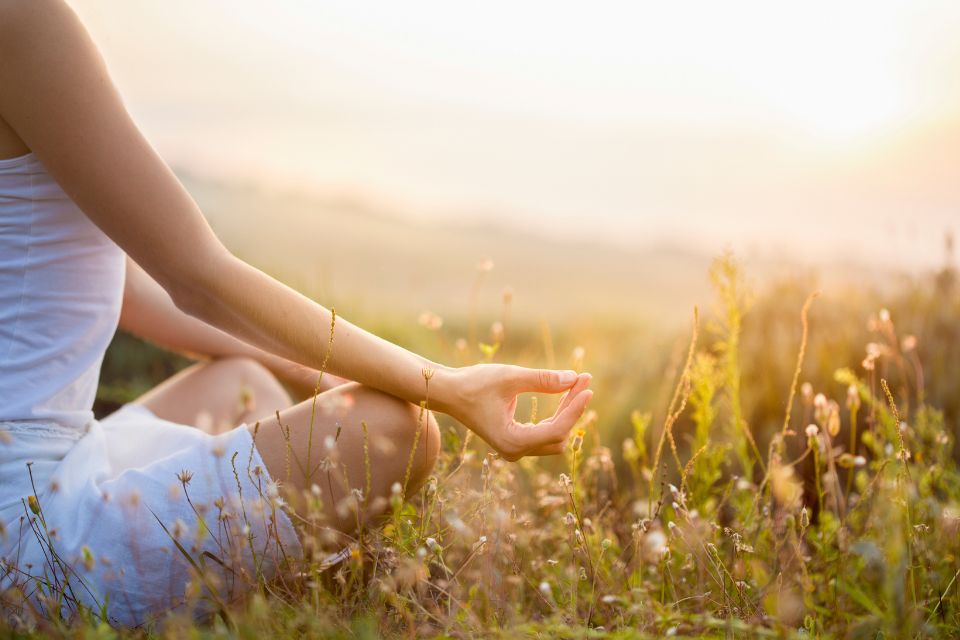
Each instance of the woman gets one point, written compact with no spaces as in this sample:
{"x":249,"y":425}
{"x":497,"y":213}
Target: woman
{"x":95,"y":229}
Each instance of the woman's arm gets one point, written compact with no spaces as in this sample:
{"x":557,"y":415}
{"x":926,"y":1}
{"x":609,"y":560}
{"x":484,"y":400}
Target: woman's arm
{"x":58,"y":97}
{"x":149,"y":313}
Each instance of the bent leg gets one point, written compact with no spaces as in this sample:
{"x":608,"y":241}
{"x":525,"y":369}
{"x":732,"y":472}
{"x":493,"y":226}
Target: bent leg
{"x":304,"y":461}
{"x":217,"y":395}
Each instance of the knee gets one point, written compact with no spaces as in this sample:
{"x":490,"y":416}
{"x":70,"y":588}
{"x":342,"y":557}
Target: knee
{"x":258,"y":389}
{"x":420,"y":427}
{"x":401,"y":425}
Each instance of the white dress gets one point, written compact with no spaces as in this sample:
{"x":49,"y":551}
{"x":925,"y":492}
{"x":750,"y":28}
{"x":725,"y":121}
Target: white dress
{"x":130,"y":516}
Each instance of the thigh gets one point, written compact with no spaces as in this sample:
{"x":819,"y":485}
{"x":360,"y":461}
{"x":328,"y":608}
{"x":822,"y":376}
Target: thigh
{"x":217,"y":395}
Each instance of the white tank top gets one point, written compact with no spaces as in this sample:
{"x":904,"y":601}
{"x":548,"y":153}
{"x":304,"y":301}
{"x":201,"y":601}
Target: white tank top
{"x":61,"y":286}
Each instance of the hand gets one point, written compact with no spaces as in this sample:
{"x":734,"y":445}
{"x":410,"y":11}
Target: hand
{"x":484,"y":399}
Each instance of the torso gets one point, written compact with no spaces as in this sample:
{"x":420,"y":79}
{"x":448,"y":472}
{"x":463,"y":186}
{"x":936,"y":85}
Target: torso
{"x":61,"y":287}
{"x":11,"y":145}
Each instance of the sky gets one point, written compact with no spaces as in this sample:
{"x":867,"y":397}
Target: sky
{"x":825,"y":131}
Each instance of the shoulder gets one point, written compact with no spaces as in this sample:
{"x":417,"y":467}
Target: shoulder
{"x":23,"y":21}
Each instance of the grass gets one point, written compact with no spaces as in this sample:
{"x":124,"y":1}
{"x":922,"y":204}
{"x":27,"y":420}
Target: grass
{"x":786,"y":468}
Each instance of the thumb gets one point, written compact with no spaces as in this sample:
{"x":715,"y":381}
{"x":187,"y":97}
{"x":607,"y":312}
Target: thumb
{"x":544,"y":380}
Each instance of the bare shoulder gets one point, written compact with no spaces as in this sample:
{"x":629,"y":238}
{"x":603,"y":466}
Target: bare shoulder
{"x":22,"y":22}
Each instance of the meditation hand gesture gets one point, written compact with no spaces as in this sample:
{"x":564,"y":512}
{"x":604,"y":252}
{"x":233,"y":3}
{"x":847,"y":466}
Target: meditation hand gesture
{"x":485,"y":400}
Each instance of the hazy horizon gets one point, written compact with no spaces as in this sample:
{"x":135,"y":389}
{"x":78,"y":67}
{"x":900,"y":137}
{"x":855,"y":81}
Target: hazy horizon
{"x":820,"y":133}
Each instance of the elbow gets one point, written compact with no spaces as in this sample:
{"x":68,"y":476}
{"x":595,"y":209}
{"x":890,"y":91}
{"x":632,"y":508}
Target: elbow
{"x":194,"y":284}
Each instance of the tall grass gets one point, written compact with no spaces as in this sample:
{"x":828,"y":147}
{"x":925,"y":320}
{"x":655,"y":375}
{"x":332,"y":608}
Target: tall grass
{"x":807,"y":491}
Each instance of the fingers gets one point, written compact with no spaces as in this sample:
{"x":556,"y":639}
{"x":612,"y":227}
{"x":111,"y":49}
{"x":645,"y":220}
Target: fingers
{"x":549,"y":450}
{"x":543,"y":380}
{"x":583,"y":381}
{"x":563,"y":420}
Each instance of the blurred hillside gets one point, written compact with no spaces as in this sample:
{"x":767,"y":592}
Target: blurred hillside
{"x":368,"y":259}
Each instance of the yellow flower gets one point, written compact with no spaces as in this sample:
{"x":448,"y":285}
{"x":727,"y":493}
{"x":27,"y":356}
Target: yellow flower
{"x":34,"y":504}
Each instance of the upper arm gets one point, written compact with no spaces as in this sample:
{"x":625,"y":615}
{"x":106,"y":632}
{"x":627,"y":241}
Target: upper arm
{"x":58,"y":97}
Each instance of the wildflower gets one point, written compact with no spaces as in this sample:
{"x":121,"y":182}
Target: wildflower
{"x":812,"y":431}
{"x":884,"y":316}
{"x":565,"y":481}
{"x":34,"y":504}
{"x":845,"y":460}
{"x":821,"y":408}
{"x":315,"y":489}
{"x":569,"y":519}
{"x":804,"y":518}
{"x":605,"y":543}
{"x":859,"y":461}
{"x":497,"y":332}
{"x":655,"y":545}
{"x":853,"y":397}
{"x":185,"y":476}
{"x":545,"y":589}
{"x":273,"y":489}
{"x":833,"y":420}
{"x":179,"y":528}
{"x":88,"y":560}
{"x":577,"y":441}
{"x":578,"y":354}
{"x":909,"y":343}
{"x":430,"y":320}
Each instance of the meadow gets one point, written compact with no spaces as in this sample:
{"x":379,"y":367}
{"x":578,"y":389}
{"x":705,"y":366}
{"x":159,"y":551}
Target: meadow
{"x":781,"y":465}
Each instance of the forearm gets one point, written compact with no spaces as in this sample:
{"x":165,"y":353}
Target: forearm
{"x":244,"y":302}
{"x":149,"y":313}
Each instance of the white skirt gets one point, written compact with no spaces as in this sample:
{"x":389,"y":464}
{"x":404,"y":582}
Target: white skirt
{"x":134,"y":517}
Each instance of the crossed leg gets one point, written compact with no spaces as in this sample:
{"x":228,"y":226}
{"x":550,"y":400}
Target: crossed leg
{"x":236,"y":390}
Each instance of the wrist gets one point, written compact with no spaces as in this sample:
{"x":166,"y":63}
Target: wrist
{"x":446,"y":389}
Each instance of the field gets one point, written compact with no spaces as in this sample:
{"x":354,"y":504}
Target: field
{"x":771,"y":464}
